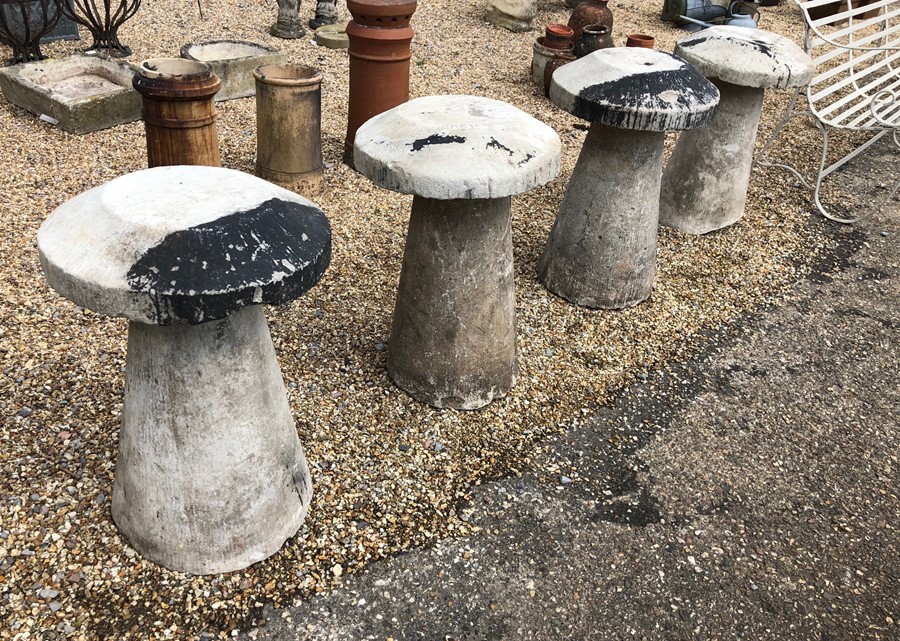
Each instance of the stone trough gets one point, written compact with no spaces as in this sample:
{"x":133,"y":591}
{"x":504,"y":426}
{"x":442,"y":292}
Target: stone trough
{"x":233,"y":61}
{"x":83,"y":93}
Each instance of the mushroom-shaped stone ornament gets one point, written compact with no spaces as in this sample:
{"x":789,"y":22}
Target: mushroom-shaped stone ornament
{"x":704,"y":185}
{"x":602,"y":248}
{"x":210,"y":475}
{"x":453,"y":339}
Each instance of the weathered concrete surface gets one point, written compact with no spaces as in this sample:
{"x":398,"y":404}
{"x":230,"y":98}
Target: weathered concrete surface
{"x":210,"y":475}
{"x":747,"y":57}
{"x":448,"y":147}
{"x":751,"y":493}
{"x":453,"y":336}
{"x":602,"y":248}
{"x":634,"y":88}
{"x":184,"y":244}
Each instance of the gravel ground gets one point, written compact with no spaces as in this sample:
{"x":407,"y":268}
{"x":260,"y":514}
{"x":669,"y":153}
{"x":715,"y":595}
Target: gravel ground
{"x":748,"y":493}
{"x":387,"y":471}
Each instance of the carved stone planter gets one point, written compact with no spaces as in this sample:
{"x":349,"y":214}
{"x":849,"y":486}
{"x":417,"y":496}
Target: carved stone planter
{"x":233,"y":62}
{"x":83,"y":93}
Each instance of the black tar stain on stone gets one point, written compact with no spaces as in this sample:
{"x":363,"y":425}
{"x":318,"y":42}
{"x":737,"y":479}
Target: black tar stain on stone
{"x":493,"y":144}
{"x":270,"y":254}
{"x":643,"y":90}
{"x":436,"y":139}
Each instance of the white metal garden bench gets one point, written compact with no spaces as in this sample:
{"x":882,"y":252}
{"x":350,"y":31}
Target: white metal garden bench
{"x":857,"y":81}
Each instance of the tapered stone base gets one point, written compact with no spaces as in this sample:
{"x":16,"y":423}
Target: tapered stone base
{"x":210,"y":476}
{"x":704,"y":186}
{"x":602,"y":247}
{"x":453,"y":339}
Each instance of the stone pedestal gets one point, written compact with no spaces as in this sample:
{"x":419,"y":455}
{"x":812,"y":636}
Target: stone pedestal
{"x":453,"y":338}
{"x":210,"y":474}
{"x":705,"y":184}
{"x":602,"y":249}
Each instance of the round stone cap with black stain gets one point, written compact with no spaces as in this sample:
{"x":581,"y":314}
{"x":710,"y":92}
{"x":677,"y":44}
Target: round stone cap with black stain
{"x":747,"y":57}
{"x":447,"y":147}
{"x":635,"y":88}
{"x":184,"y":244}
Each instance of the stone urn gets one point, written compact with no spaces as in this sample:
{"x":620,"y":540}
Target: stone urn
{"x":515,"y":15}
{"x":287,"y":24}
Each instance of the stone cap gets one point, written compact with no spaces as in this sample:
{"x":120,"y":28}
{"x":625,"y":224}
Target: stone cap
{"x":635,"y":88}
{"x":448,"y":147}
{"x":184,"y":244}
{"x":747,"y":57}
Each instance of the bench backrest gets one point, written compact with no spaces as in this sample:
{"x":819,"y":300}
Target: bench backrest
{"x":856,"y":50}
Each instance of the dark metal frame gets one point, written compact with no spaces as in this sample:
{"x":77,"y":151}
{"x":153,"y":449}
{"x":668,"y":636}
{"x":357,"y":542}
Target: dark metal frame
{"x":103,"y":19}
{"x":25,"y":41}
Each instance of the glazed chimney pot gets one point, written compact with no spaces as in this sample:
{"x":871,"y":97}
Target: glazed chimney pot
{"x":380,"y":38}
{"x":289,"y":127}
{"x":179,"y":111}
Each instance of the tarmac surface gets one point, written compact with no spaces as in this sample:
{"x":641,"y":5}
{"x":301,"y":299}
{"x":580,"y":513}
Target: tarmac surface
{"x":752,"y":492}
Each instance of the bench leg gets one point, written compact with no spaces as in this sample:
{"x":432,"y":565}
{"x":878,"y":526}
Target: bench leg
{"x":822,"y":172}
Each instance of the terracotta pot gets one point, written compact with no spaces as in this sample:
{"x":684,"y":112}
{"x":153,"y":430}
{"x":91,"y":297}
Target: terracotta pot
{"x":289,"y":127}
{"x":640,"y":40}
{"x":558,"y":36}
{"x":379,"y":36}
{"x":178,"y":111}
{"x":559,"y":59}
{"x":590,"y":12}
{"x":593,"y":38}
{"x":569,"y":47}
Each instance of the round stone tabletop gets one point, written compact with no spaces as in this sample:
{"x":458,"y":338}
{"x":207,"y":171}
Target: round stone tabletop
{"x":447,"y":147}
{"x":746,"y":57}
{"x":635,"y":88}
{"x":184,"y":244}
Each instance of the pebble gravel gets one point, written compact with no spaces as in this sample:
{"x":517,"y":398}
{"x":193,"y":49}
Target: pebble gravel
{"x":388,"y":472}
